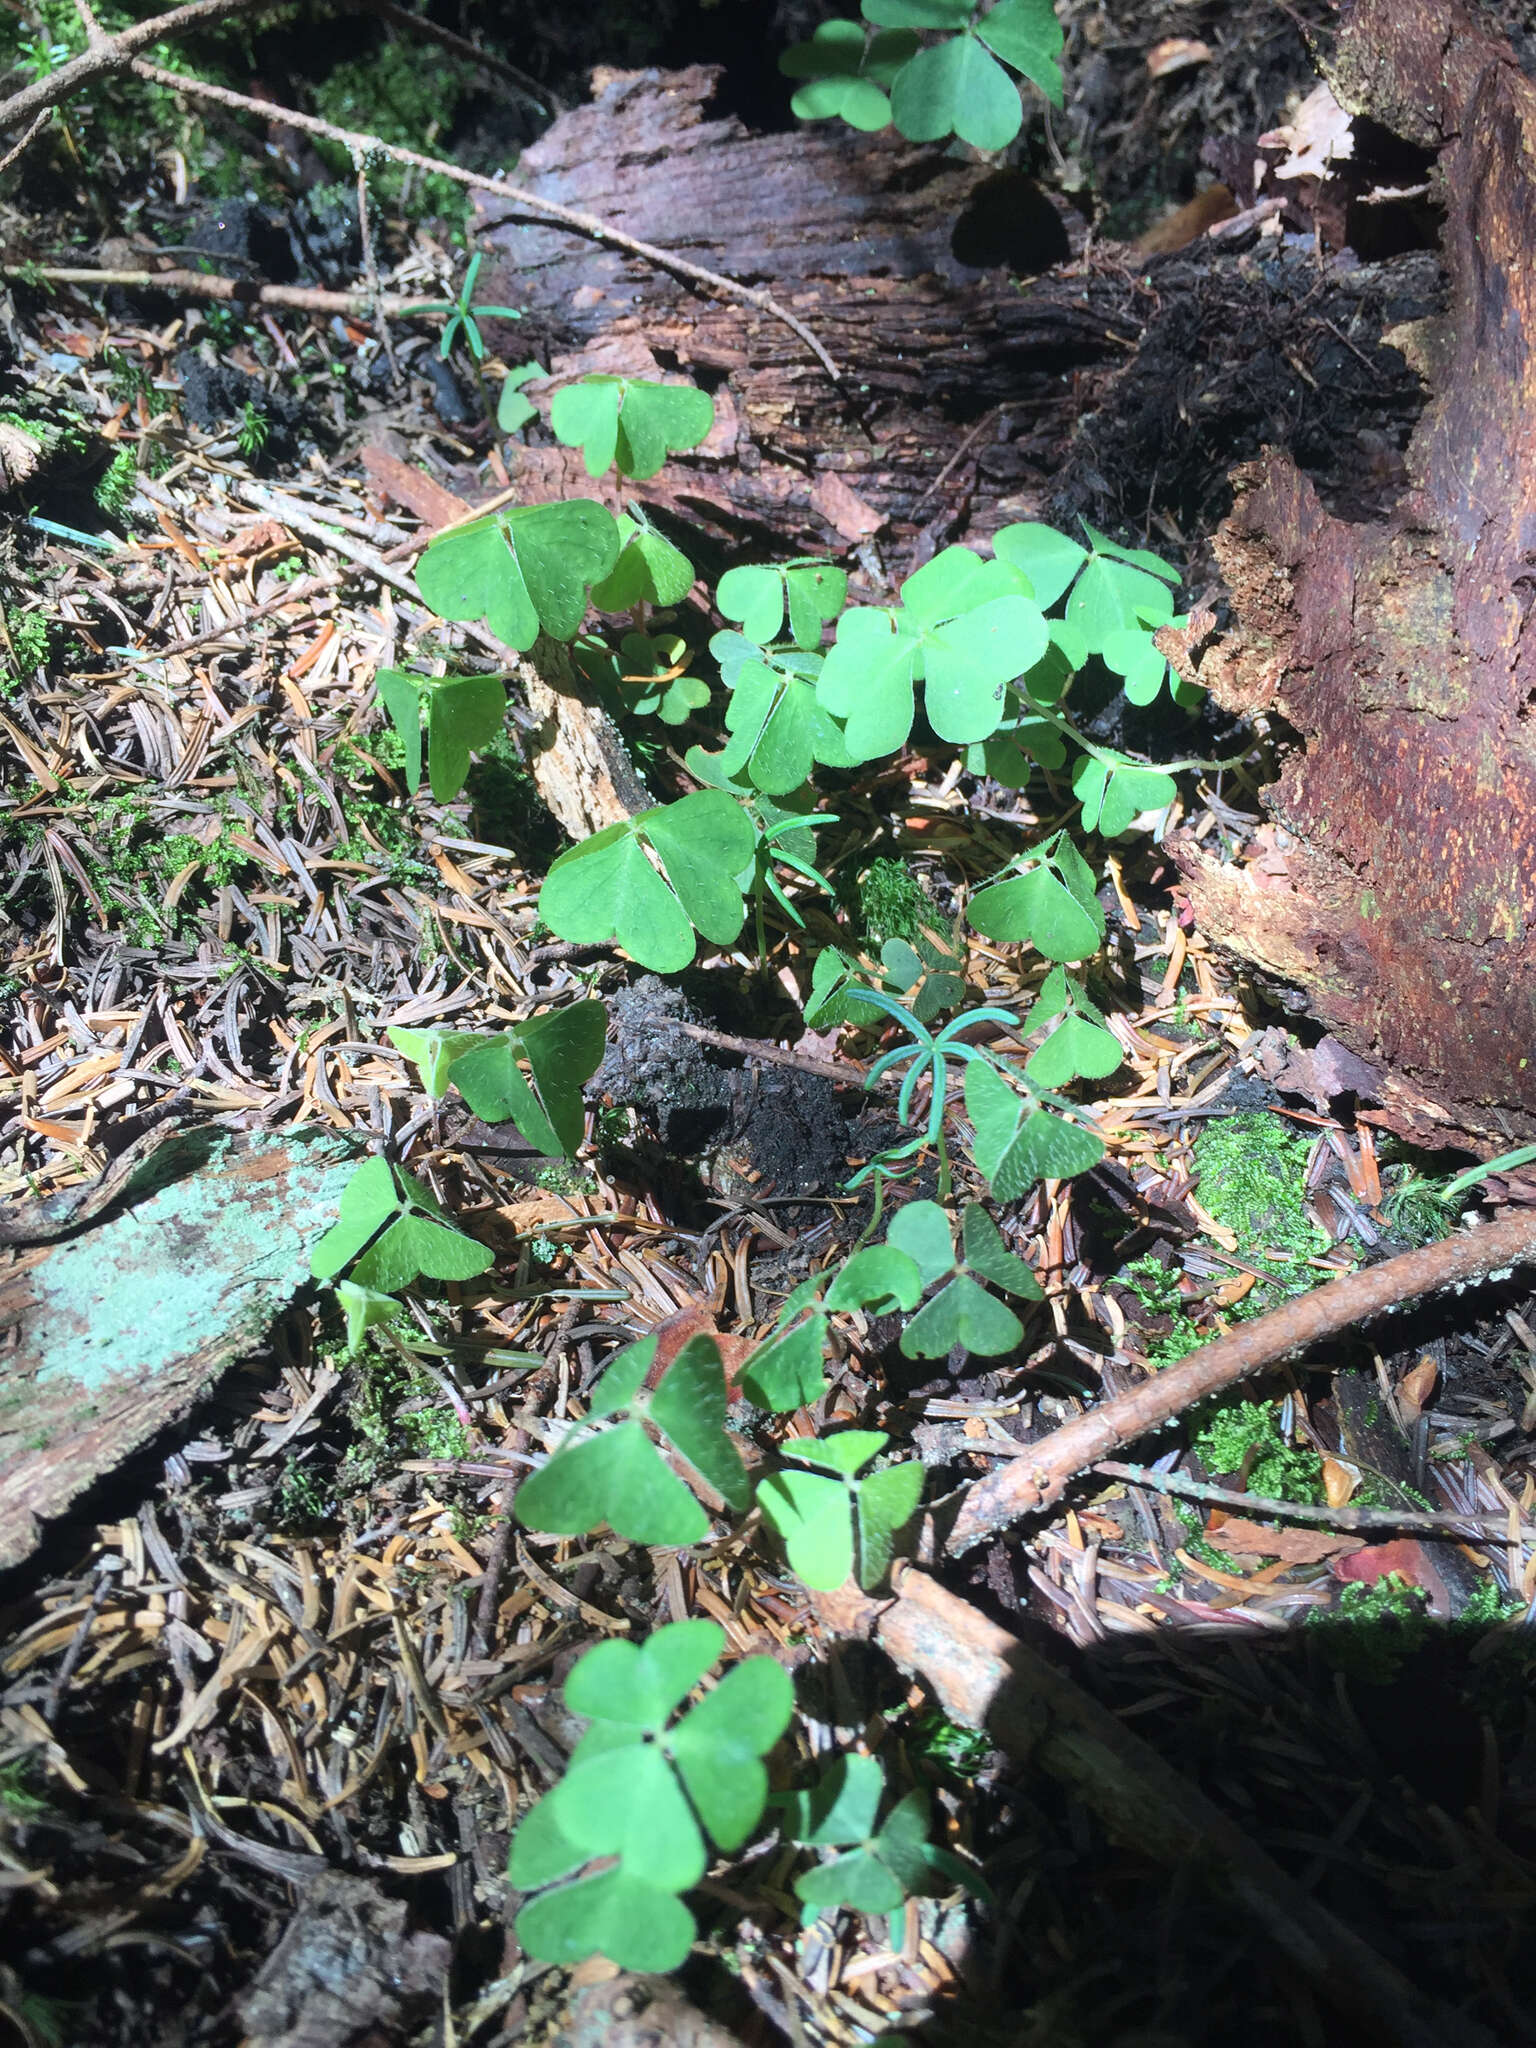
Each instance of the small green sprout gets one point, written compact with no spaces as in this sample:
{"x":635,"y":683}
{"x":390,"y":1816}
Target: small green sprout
{"x":831,"y":1518}
{"x":463,"y":316}
{"x":253,"y":430}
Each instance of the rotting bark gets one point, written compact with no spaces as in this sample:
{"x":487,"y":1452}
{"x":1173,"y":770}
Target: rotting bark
{"x":985,"y":1678}
{"x":1394,"y":885}
{"x":121,"y":1303}
{"x":900,"y":258}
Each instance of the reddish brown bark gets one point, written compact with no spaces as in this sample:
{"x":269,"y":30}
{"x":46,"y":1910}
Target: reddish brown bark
{"x":1395,"y":885}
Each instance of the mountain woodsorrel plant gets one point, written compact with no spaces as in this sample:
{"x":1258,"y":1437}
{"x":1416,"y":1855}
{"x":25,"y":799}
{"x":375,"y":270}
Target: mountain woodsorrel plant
{"x":973,"y":653}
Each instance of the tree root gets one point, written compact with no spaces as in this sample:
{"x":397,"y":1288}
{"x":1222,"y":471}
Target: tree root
{"x":985,"y":1678}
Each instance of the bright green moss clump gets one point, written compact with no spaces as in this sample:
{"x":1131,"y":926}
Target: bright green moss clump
{"x":1252,"y":1178}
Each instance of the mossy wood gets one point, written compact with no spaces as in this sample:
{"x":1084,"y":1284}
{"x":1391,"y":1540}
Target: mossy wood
{"x":121,"y":1304}
{"x":1394,"y":885}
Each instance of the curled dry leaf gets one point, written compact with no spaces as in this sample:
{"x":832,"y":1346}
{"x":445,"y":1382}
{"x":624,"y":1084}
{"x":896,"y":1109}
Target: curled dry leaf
{"x":1317,"y":136}
{"x":1176,"y":53}
{"x":1291,"y":1546}
{"x":1416,"y":1386}
{"x":1340,"y":1478}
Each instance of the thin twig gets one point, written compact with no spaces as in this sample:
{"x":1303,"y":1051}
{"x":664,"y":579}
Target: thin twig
{"x":481,"y":181}
{"x":843,"y":1072}
{"x":421,"y":25}
{"x":197,"y":284}
{"x":19,"y":149}
{"x":985,"y":1678}
{"x":1026,"y":1485}
{"x":1350,"y":1520}
{"x":371,"y":271}
{"x":111,"y":53}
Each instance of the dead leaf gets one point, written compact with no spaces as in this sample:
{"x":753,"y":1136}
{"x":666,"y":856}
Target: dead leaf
{"x":1416,"y":1386}
{"x":1176,"y":53}
{"x":20,"y":453}
{"x":1340,"y":1478}
{"x":1291,"y":1546}
{"x":843,"y":508}
{"x":255,"y":540}
{"x":413,"y":488}
{"x":1319,"y":135}
{"x":1188,"y":223}
{"x":675,"y":1331}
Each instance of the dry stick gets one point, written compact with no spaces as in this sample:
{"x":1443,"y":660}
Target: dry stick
{"x":1029,"y":1484}
{"x":1463,"y":1528}
{"x":985,"y":1678}
{"x":111,"y":53}
{"x":480,"y":181}
{"x":196,"y":284}
{"x":19,"y":149}
{"x":843,"y":1072}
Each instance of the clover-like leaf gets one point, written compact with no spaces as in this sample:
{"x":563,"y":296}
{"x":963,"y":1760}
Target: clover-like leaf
{"x":962,"y":1313}
{"x":606,"y":888}
{"x":843,"y":1805}
{"x":988,"y":1255}
{"x":522,"y":570}
{"x":618,"y":1477}
{"x":563,"y":1050}
{"x":432,"y":1052}
{"x":1027,"y":36}
{"x":716,"y":1747}
{"x":627,"y":1802}
{"x":880,"y":1277}
{"x":1047,"y":558}
{"x":845,"y":73}
{"x":389,"y":1230}
{"x":629,"y":422}
{"x":957,"y":88}
{"x":1114,"y":793}
{"x":1077,"y":1049}
{"x":922,"y":1231}
{"x":689,"y":1407}
{"x":514,"y":408}
{"x":364,"y":1308}
{"x":778,"y":730}
{"x":757,"y":597}
{"x":834,"y":996}
{"x":650,"y":570}
{"x":643,"y":1684}
{"x":1052,"y":905}
{"x":869,"y":680}
{"x":785,"y":1372}
{"x":1138,"y":662}
{"x":818,"y":1514}
{"x":1111,"y":597}
{"x":463,"y":713}
{"x":614,"y":1914}
{"x":1017,"y":1144}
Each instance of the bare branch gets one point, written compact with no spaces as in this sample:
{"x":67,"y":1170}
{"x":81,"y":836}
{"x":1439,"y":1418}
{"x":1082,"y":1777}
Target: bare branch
{"x":111,"y":53}
{"x":1036,"y":1481}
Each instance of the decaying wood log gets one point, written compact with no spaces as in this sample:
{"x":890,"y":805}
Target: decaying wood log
{"x":121,"y":1304}
{"x":1395,"y":884}
{"x":902,"y":260}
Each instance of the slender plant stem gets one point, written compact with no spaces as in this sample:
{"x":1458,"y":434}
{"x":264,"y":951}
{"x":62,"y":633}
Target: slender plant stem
{"x":1416,"y":1521}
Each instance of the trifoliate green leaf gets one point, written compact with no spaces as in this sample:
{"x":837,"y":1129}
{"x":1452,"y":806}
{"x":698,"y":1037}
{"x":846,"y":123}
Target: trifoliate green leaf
{"x":1038,"y":907}
{"x":811,"y":1513}
{"x":364,"y":1308}
{"x":1047,"y":558}
{"x":717,"y":1746}
{"x":957,"y":88}
{"x":785,"y":1372}
{"x":858,"y":1880}
{"x":605,"y":887}
{"x":841,"y":1807}
{"x":689,"y":1406}
{"x":563,"y":1049}
{"x":1115,"y":793}
{"x":1076,"y":1050}
{"x":880,"y":1278}
{"x":1017,"y":1145}
{"x":757,"y":596}
{"x":616,"y":1915}
{"x":541,"y":1852}
{"x":987,"y":1255}
{"x":627,"y":1802}
{"x":649,"y":570}
{"x":522,"y":570}
{"x":403,"y":1230}
{"x":627,"y":421}
{"x":845,"y":1450}
{"x":618,"y":1477}
{"x":887,"y":1501}
{"x":432,"y":1053}
{"x":962,"y":1313}
{"x":1027,"y":35}
{"x":641,"y":1685}
{"x":868,"y":681}
{"x":463,"y":713}
{"x":845,"y":73}
{"x":922,"y":1231}
{"x":514,"y":408}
